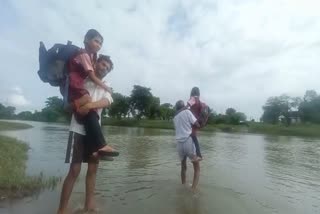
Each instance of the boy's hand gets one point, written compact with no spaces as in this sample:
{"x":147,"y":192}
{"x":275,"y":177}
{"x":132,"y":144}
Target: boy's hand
{"x":197,"y":125}
{"x":83,"y":110}
{"x":107,"y":88}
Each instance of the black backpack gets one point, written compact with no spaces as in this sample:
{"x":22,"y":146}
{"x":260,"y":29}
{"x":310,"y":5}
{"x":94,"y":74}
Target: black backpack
{"x":53,"y":62}
{"x":53,"y":65}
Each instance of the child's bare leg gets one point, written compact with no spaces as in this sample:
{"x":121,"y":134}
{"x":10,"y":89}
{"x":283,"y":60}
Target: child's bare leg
{"x":90,"y":186}
{"x":196,"y":175}
{"x":183,"y":170}
{"x":196,"y":144}
{"x":68,"y":187}
{"x":196,"y":159}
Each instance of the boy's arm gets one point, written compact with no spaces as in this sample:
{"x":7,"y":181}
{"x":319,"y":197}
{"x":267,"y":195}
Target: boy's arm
{"x":102,"y":103}
{"x":85,"y":61}
{"x":196,"y":124}
{"x":193,"y":120}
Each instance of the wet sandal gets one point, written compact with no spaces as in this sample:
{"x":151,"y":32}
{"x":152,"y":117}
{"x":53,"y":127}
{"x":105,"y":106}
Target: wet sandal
{"x":111,"y":154}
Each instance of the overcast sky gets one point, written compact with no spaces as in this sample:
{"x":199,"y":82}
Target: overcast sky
{"x":239,"y":52}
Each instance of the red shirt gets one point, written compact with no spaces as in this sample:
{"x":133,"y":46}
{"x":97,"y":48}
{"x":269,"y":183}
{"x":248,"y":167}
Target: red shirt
{"x":79,"y":68}
{"x":195,"y":108}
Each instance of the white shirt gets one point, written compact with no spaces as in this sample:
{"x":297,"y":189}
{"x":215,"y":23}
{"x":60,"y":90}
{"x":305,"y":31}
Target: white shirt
{"x":96,"y":93}
{"x":183,"y":122}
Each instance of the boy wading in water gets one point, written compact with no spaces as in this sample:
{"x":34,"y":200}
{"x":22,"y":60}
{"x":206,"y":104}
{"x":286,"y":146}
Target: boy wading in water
{"x":183,"y":122}
{"x":78,"y":141}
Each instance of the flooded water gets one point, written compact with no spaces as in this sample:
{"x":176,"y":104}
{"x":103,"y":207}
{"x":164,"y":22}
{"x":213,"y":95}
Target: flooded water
{"x":241,"y":173}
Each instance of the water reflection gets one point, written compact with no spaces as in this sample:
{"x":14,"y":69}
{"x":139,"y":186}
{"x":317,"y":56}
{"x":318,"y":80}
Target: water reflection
{"x":186,"y":202}
{"x":292,"y":164}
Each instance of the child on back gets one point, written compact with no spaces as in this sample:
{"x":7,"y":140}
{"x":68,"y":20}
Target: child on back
{"x":194,"y":104}
{"x":80,"y":67}
{"x":184,"y":121}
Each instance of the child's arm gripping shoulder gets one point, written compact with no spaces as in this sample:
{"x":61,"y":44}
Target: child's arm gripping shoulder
{"x":97,"y":81}
{"x":191,"y":101}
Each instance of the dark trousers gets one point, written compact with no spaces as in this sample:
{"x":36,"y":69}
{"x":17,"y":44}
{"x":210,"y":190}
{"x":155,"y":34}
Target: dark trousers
{"x":94,"y":136}
{"x":196,"y":144}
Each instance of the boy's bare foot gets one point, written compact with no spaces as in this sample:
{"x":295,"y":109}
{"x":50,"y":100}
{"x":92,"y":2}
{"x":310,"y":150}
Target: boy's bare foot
{"x":196,"y":159}
{"x":61,"y":211}
{"x":91,"y":208}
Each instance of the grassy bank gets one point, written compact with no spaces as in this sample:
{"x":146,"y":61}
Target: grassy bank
{"x":307,"y":130}
{"x":304,"y":130}
{"x":159,"y":124}
{"x":4,"y":126}
{"x":14,"y":183}
{"x":165,"y":124}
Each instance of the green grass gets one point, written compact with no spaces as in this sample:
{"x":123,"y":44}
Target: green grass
{"x":165,"y":124}
{"x":307,"y":130}
{"x":14,"y":183}
{"x":160,"y":124}
{"x":5,"y":126}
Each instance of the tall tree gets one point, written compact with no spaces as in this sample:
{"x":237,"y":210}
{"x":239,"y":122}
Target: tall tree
{"x":7,"y":112}
{"x":140,"y":100}
{"x":166,"y":111}
{"x":230,"y":111}
{"x":282,"y":105}
{"x":120,"y":106}
{"x":241,"y":116}
{"x":25,"y":115}
{"x":54,"y":103}
{"x":310,"y":95}
{"x":309,"y":109}
{"x":153,"y":110}
{"x":54,"y":110}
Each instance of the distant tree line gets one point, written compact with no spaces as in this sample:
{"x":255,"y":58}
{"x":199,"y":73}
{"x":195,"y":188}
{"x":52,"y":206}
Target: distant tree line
{"x":141,"y":104}
{"x":286,"y":109}
{"x":52,"y":112}
{"x":231,"y":116}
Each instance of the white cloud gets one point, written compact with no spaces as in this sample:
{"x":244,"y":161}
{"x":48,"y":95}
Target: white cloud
{"x":238,"y":52}
{"x":17,"y":90}
{"x":15,"y":97}
{"x":18,"y":100}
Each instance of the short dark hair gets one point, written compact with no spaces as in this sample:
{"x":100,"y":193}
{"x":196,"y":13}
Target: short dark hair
{"x":195,"y":91}
{"x":92,"y":33}
{"x":107,"y":59}
{"x":179,"y":105}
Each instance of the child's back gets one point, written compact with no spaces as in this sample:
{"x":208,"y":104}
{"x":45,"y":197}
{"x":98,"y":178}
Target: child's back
{"x":195,"y":106}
